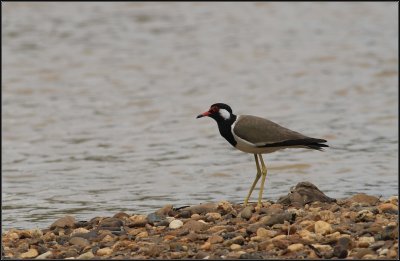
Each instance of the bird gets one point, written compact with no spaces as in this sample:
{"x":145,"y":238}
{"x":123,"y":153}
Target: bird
{"x":256,"y":135}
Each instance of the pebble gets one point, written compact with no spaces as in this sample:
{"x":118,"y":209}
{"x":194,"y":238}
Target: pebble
{"x":138,"y":220}
{"x":394,"y":200}
{"x":279,"y":219}
{"x":206,"y":246}
{"x":104,"y":251}
{"x":175,"y":224}
{"x":364,"y":198}
{"x":343,"y":229}
{"x":225,"y":206}
{"x":377,"y":245}
{"x":322,"y":247}
{"x":79,"y":231}
{"x":295,"y":247}
{"x":365,"y":215}
{"x":31,"y":253}
{"x":79,"y":241}
{"x":67,"y":221}
{"x":265,"y":233}
{"x":388,"y":207}
{"x":111,"y":223}
{"x":107,"y":238}
{"x":44,"y":255}
{"x":170,"y":219}
{"x":214,"y":239}
{"x":365,"y":241}
{"x":153,"y":218}
{"x":235,"y":247}
{"x":212,"y":216}
{"x":13,"y":236}
{"x":247,"y":212}
{"x":87,"y":255}
{"x":326,"y":215}
{"x":195,"y":216}
{"x":193,"y":225}
{"x":322,"y":227}
{"x":142,"y":234}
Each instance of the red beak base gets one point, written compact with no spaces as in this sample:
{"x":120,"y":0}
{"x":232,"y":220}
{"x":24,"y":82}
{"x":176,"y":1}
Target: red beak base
{"x":203,"y":114}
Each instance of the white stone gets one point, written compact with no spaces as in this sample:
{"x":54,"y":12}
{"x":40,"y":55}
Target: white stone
{"x":175,"y":224}
{"x":44,"y":255}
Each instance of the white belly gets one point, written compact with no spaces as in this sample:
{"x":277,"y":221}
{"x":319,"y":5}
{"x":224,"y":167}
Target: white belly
{"x":248,"y":147}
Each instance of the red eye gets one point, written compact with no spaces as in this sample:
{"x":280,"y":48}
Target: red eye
{"x":214,"y":109}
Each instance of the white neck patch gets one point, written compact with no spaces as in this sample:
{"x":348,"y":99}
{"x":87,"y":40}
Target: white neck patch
{"x":224,"y":114}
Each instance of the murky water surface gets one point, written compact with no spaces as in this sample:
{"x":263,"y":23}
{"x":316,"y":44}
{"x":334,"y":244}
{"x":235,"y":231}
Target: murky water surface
{"x":99,"y":102}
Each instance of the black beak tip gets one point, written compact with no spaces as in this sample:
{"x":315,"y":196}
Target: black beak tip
{"x":199,"y":116}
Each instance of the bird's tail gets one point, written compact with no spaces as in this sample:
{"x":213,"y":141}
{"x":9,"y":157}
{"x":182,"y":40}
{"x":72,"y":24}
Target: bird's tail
{"x":317,"y":145}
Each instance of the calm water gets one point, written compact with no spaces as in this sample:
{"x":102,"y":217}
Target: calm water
{"x":100,"y":99}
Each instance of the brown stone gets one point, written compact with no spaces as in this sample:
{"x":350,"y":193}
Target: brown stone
{"x":31,"y":253}
{"x":364,"y":198}
{"x":67,"y":221}
{"x":214,"y":239}
{"x":104,"y":251}
{"x":138,"y":221}
{"x":388,"y":207}
{"x":196,"y":226}
{"x":78,"y":241}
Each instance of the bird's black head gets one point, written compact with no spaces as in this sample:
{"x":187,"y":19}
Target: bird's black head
{"x":219,"y":112}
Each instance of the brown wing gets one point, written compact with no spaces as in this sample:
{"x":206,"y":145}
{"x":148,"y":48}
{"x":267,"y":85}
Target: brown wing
{"x":263,"y":132}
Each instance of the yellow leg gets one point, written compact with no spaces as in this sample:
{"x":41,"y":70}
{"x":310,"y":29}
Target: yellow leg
{"x":264,"y":175}
{"x":255,"y":180}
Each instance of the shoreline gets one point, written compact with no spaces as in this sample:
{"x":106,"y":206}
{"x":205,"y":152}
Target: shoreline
{"x":303,"y":224}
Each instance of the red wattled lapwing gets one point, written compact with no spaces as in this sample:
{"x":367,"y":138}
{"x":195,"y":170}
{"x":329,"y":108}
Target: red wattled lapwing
{"x":258,"y":136}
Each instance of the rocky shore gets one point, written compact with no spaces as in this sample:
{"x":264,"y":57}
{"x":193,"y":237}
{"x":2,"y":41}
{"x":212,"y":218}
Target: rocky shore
{"x":304,"y":224}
